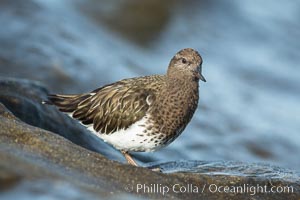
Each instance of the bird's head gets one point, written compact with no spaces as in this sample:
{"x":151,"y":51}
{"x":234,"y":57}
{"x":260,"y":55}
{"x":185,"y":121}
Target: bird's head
{"x":186,"y":62}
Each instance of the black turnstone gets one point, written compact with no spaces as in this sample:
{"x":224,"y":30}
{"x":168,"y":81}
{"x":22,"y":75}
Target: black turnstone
{"x":140,"y":114}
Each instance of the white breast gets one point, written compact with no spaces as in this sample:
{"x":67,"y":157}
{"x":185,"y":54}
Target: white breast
{"x":131,"y":139}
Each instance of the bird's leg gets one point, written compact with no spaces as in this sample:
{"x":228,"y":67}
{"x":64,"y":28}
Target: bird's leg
{"x":132,"y":162}
{"x":129,"y":158}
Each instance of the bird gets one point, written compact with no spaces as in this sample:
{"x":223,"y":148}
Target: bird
{"x":140,"y":114}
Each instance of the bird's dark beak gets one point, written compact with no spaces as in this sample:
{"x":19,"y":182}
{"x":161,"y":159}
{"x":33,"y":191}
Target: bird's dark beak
{"x":201,"y":77}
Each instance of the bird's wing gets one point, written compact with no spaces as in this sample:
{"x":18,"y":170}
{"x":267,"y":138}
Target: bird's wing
{"x":108,"y":109}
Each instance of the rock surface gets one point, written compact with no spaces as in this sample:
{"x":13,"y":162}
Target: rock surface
{"x":34,"y":159}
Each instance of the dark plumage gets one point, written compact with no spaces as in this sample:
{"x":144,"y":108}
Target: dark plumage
{"x":140,"y":114}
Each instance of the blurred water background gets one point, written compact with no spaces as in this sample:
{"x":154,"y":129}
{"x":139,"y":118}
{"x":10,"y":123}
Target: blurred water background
{"x":249,"y":108}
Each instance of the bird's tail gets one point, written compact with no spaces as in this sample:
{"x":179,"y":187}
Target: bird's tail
{"x":65,"y":103}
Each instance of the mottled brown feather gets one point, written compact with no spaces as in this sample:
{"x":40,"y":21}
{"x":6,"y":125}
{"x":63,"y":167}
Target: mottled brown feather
{"x":112,"y":107}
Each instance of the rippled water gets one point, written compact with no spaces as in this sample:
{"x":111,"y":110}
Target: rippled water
{"x":249,"y":107}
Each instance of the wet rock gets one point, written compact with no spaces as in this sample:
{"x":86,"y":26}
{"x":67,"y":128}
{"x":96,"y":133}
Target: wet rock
{"x":34,"y":159}
{"x":24,"y":151}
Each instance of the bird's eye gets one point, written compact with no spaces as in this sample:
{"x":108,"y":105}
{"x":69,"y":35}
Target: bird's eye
{"x":183,"y":60}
